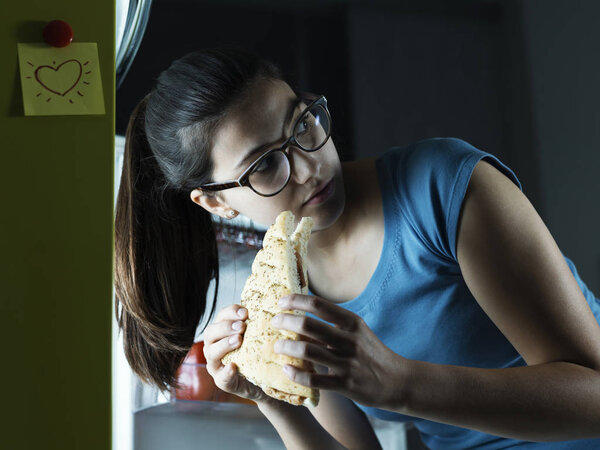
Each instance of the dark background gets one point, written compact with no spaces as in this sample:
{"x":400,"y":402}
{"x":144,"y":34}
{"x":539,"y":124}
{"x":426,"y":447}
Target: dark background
{"x":515,"y":78}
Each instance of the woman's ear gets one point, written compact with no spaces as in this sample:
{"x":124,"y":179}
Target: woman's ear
{"x":211,"y":202}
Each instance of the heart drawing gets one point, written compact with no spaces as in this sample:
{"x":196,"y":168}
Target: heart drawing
{"x":61,"y":79}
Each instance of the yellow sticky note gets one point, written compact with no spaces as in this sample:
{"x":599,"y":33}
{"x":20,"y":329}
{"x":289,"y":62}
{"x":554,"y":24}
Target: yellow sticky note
{"x":60,"y":81}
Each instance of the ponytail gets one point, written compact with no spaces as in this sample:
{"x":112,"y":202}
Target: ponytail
{"x":165,"y":257}
{"x":165,"y":245}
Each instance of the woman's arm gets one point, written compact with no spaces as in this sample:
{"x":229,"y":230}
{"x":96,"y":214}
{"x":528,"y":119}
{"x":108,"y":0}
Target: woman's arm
{"x":520,"y":278}
{"x":297,"y":427}
{"x":343,"y":420}
{"x":337,"y":415}
{"x":518,"y":275}
{"x":556,"y":401}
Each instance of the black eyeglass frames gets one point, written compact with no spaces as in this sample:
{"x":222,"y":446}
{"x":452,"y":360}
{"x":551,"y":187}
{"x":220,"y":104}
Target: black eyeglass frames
{"x":270,"y":173}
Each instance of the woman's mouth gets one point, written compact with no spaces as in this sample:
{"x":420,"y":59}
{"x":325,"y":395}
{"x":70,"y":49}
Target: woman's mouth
{"x":323,"y":194}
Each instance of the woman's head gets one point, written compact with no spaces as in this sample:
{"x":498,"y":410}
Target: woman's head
{"x":190,"y":100}
{"x":263,"y":121}
{"x":165,"y":246}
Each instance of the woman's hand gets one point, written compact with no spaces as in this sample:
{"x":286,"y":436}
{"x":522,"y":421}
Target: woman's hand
{"x":217,"y":344}
{"x":360,"y":366}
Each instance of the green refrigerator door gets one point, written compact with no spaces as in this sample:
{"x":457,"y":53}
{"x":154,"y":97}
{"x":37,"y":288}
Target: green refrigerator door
{"x":56,"y":233}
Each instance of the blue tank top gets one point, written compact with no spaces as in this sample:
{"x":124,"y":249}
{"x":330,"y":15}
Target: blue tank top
{"x":416,"y":301}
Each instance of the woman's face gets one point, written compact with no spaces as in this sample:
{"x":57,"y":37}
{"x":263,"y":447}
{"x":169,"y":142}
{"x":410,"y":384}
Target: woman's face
{"x":259,"y":121}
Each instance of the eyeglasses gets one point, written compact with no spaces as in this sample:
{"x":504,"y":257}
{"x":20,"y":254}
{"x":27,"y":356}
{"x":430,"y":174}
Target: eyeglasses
{"x":271,"y":172}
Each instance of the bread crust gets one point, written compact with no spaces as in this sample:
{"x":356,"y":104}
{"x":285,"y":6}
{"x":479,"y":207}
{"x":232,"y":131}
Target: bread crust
{"x":278,"y":270}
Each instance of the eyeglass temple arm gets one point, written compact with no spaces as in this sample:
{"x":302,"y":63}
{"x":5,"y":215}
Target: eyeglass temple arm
{"x":219,"y":186}
{"x":307,"y":95}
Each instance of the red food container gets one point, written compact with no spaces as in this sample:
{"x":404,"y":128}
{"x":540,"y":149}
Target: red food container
{"x":197,"y":384}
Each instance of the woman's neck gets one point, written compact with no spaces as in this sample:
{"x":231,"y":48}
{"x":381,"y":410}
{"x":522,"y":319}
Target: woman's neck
{"x":332,"y":243}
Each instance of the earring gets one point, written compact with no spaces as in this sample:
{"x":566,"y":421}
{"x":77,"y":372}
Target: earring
{"x":232,"y":213}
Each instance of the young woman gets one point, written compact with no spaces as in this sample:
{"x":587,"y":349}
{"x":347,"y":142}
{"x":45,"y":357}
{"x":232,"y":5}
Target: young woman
{"x":437,"y":293}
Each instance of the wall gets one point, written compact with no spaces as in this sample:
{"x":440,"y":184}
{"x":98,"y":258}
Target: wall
{"x":56,"y":246}
{"x":288,"y":32}
{"x":516,"y":78}
{"x":424,"y":74}
{"x":561,"y":40}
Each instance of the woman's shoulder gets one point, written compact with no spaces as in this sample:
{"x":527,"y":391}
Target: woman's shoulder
{"x":423,"y":149}
{"x":428,"y":149}
{"x":440,"y":161}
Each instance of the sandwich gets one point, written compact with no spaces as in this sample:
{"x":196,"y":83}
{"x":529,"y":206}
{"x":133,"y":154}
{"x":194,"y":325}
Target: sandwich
{"x":278,"y":269}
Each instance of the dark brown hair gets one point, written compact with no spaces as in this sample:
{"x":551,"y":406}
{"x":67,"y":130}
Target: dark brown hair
{"x":165,"y":246}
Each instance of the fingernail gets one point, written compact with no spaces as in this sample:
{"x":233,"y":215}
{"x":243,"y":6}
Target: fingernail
{"x":277,"y":346}
{"x":233,"y":339}
{"x":241,"y":312}
{"x":276,"y":320}
{"x":237,"y":325}
{"x":287,"y":370}
{"x":283,"y":301}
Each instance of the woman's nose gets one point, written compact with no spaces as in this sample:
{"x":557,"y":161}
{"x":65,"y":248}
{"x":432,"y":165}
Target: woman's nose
{"x":304,"y":165}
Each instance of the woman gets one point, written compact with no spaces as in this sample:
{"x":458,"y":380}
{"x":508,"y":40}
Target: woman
{"x":449,"y":303}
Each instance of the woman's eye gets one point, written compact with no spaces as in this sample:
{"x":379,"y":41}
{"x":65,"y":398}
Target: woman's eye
{"x":265,"y":165}
{"x":303,"y":125}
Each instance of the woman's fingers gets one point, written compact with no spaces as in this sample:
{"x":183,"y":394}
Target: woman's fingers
{"x":230,"y":314}
{"x":221,"y":329}
{"x":226,"y":378}
{"x":222,"y":336}
{"x":309,"y":352}
{"x":229,"y":325}
{"x":218,"y":349}
{"x":315,"y":380}
{"x":340,"y":317}
{"x":340,"y":342}
{"x":230,"y":380}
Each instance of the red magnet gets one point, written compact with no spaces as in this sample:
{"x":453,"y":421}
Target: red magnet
{"x":58,"y":33}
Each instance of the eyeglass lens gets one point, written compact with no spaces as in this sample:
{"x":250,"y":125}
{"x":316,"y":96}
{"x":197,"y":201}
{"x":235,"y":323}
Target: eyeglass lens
{"x":273,"y":172}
